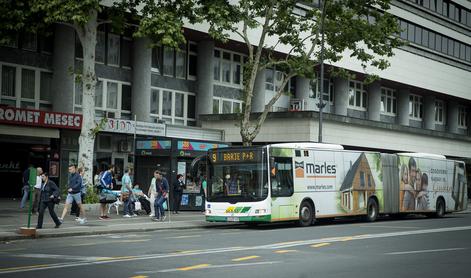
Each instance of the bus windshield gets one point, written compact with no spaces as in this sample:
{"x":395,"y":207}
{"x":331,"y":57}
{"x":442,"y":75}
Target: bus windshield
{"x":237,"y":176}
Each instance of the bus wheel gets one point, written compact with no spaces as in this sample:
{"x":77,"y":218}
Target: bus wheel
{"x":440,"y":209}
{"x":372,"y":210}
{"x":305,"y":214}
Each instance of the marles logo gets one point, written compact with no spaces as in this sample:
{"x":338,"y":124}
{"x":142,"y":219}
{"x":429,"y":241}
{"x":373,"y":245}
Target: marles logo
{"x":320,"y":169}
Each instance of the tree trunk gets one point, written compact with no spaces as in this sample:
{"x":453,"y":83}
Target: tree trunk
{"x":87,"y":36}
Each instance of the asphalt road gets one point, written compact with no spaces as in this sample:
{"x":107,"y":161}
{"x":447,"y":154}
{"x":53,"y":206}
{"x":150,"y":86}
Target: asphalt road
{"x":411,"y":247}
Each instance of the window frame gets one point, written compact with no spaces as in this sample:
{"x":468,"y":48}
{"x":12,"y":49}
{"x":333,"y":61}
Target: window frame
{"x":221,"y":101}
{"x":218,"y":63}
{"x":391,"y":95}
{"x":172,"y":118}
{"x":363,"y":93}
{"x":330,"y":90}
{"x":416,"y":102}
{"x":462,"y":117}
{"x":439,"y":112}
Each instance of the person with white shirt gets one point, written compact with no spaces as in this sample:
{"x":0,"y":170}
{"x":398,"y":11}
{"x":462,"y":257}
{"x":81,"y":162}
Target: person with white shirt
{"x":37,"y":190}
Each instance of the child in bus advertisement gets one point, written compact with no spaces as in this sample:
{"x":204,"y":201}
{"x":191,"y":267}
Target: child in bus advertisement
{"x":409,"y":189}
{"x":404,"y":182}
{"x":422,"y":197}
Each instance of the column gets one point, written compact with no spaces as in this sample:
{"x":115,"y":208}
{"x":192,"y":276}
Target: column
{"x":429,"y":112}
{"x":258,"y":100}
{"x":341,"y":96}
{"x":141,"y":79}
{"x":63,"y":60}
{"x":303,"y":91}
{"x":403,"y":107}
{"x":452,"y":117}
{"x":204,"y":97}
{"x":374,"y":101}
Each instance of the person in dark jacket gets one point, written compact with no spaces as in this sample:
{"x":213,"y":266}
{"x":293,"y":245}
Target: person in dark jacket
{"x":178,"y":187}
{"x":49,"y":191}
{"x":74,"y":194}
{"x":161,"y":185}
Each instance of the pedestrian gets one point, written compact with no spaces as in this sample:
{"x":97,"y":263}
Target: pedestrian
{"x":204,"y":185}
{"x":106,"y":183}
{"x":161,"y":185}
{"x":26,"y":186}
{"x":178,"y":187}
{"x":73,"y":194}
{"x":75,"y":209}
{"x":37,"y":190}
{"x":127,"y":196}
{"x":49,"y":192}
{"x":152,"y":193}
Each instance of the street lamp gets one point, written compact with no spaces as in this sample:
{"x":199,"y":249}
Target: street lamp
{"x":321,"y":103}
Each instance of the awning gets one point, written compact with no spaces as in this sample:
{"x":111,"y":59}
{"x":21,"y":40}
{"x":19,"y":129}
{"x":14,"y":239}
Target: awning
{"x":29,"y":131}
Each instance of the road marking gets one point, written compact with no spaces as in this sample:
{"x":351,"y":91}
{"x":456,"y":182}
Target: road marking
{"x":116,"y":258}
{"x":245,"y":258}
{"x":183,"y":236}
{"x":237,"y":249}
{"x":11,"y":250}
{"x":139,"y":276}
{"x":62,"y":257}
{"x":348,"y":238}
{"x":212,"y":266}
{"x":389,"y":227}
{"x":111,"y":241}
{"x":320,"y":244}
{"x":27,"y":267}
{"x":425,"y":251}
{"x":285,"y":251}
{"x":193,"y":267}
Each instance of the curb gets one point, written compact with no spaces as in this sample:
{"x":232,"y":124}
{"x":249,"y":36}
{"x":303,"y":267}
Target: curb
{"x":119,"y":231}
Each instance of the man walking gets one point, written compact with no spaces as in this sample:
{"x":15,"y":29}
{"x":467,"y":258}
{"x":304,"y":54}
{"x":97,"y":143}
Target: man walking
{"x":26,"y":185}
{"x":73,"y":194}
{"x":49,"y":191}
{"x":37,"y":190}
{"x":162,"y":190}
{"x":127,"y":194}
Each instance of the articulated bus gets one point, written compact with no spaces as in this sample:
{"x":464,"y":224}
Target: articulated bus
{"x":303,"y":182}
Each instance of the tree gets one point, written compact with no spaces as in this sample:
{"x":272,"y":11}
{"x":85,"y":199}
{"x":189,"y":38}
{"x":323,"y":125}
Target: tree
{"x":361,"y":26}
{"x":162,"y":21}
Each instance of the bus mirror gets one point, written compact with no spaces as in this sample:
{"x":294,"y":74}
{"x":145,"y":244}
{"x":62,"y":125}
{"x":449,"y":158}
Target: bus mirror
{"x":196,"y":163}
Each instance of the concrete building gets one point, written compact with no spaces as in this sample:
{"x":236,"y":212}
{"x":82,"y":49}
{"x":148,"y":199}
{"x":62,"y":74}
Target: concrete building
{"x":189,"y":98}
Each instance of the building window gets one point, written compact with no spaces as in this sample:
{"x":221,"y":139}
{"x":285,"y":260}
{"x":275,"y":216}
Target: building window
{"x":226,"y":106}
{"x":192,"y":60}
{"x":179,"y":63}
{"x":328,"y":94}
{"x":462,"y":117}
{"x":168,"y":61}
{"x":274,"y":80}
{"x":33,"y":85}
{"x":100,"y":48}
{"x":388,"y":101}
{"x":112,"y":99}
{"x":29,"y":41}
{"x":126,"y":52}
{"x":172,"y":107}
{"x":415,"y":107}
{"x":227,"y":67}
{"x":439,"y":111}
{"x":114,"y":45}
{"x":357,"y":96}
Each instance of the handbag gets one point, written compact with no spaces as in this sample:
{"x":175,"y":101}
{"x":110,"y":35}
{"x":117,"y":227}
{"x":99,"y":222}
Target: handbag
{"x":56,"y":200}
{"x":124,"y":195}
{"x":108,"y":197}
{"x":137,"y":205}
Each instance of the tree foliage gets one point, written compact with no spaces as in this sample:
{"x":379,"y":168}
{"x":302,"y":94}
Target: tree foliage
{"x":361,"y":26}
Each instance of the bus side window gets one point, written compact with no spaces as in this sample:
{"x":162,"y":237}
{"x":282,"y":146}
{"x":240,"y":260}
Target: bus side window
{"x":281,"y":177}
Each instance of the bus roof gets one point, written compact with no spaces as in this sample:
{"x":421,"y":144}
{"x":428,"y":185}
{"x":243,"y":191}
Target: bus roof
{"x":308,"y":145}
{"x":424,"y":155}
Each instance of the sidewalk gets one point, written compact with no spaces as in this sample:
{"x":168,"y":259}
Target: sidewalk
{"x":12,"y":218}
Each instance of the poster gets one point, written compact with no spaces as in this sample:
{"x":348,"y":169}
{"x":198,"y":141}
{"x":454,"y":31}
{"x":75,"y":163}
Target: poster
{"x":184,"y":201}
{"x":54,"y":169}
{"x":198,"y":201}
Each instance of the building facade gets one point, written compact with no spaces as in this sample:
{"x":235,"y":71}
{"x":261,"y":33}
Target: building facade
{"x":420,"y":104}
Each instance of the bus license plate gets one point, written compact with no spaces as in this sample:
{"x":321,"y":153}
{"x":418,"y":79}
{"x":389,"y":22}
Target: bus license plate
{"x":233,"y":219}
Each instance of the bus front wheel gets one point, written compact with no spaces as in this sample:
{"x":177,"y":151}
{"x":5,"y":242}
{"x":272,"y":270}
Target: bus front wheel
{"x":305,"y":214}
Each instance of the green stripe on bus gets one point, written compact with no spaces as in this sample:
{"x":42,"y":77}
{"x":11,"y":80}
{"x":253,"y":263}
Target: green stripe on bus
{"x":262,"y":218}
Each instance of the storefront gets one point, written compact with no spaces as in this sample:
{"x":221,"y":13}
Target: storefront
{"x":172,"y":156}
{"x":31,"y":137}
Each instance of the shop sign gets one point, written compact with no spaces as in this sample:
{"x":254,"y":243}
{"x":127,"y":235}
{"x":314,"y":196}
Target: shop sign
{"x":10,"y":167}
{"x":131,"y":127}
{"x":30,"y":117}
{"x":154,"y":145}
{"x":198,"y":146}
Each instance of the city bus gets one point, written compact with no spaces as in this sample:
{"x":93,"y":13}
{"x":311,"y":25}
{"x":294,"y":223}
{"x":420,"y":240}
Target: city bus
{"x":303,"y":182}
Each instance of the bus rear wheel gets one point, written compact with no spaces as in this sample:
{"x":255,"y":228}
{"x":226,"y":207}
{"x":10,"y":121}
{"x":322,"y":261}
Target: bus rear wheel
{"x":305,"y":214}
{"x":440,"y":208}
{"x":372,"y":210}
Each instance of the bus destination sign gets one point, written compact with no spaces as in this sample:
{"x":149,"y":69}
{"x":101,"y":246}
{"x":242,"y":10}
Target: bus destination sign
{"x":236,"y":156}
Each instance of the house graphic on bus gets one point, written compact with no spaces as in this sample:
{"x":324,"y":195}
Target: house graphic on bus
{"x":357,"y":186}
